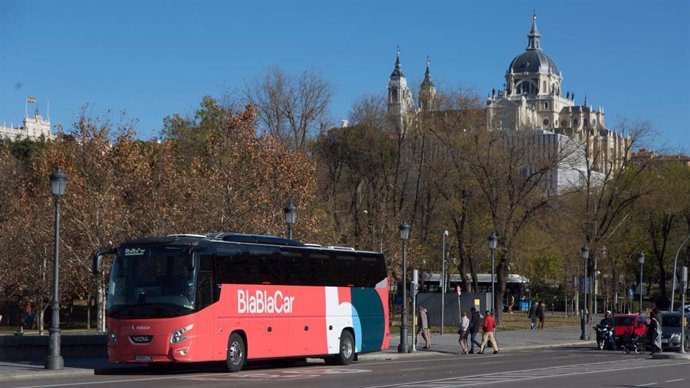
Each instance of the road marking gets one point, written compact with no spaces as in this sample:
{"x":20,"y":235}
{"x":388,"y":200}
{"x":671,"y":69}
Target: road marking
{"x":645,"y":385}
{"x":533,"y":374}
{"x":674,"y":381}
{"x":284,"y":374}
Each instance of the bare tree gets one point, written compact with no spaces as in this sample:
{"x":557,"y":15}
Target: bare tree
{"x":611,"y":188}
{"x":292,"y":108}
{"x":369,"y":111}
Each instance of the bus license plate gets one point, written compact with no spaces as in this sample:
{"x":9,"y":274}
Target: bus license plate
{"x":143,"y":358}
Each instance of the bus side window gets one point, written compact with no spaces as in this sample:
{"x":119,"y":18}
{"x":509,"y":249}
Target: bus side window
{"x":322,"y":267}
{"x":373,"y":270}
{"x":294,"y":265}
{"x":206,"y":293}
{"x":346,"y":267}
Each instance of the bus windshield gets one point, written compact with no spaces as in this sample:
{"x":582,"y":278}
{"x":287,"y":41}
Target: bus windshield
{"x":151,"y":282}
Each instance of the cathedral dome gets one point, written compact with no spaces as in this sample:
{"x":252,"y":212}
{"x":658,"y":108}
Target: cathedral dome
{"x":534,"y":59}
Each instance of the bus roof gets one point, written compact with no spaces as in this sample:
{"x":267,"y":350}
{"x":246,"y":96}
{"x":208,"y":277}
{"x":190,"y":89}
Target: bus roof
{"x":195,"y":239}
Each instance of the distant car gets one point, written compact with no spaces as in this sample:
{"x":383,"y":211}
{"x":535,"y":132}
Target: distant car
{"x":670,"y":335}
{"x":627,"y":325}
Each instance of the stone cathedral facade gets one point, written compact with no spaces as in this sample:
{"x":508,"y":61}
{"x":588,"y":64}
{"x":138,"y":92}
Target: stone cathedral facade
{"x":533,"y":100}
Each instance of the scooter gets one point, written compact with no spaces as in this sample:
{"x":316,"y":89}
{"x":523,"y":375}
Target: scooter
{"x":604,"y":336}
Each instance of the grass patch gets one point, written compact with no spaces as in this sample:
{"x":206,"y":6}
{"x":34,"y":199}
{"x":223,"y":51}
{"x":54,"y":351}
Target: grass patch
{"x":515,"y":321}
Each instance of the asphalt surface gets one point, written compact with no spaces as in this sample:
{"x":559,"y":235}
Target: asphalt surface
{"x":508,"y":341}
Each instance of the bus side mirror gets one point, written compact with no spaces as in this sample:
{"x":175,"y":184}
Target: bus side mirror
{"x":97,"y":267}
{"x":97,"y":264}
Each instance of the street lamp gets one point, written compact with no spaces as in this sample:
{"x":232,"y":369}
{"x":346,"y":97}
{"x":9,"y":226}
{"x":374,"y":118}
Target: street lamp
{"x":675,"y":262}
{"x":54,"y":360}
{"x":290,"y":217}
{"x":443,"y":277}
{"x":493,"y":241}
{"x":640,"y":259}
{"x":404,"y":236}
{"x":585,"y":259}
{"x":683,"y":321}
{"x":595,"y":278}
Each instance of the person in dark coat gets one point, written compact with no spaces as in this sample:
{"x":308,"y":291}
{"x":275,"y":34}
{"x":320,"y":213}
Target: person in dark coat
{"x":475,"y":324}
{"x":540,"y":315}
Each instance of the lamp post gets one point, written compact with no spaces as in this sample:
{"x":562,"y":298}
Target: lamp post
{"x":290,"y":217}
{"x":683,"y":321}
{"x":443,"y":278}
{"x":675,"y":262}
{"x":595,"y":279}
{"x":493,"y":241}
{"x":54,"y":360}
{"x":585,"y":259}
{"x":404,"y":235}
{"x":640,"y":259}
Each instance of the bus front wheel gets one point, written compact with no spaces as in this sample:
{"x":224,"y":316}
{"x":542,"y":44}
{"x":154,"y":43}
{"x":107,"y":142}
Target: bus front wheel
{"x":346,"y":353}
{"x":237,"y":353}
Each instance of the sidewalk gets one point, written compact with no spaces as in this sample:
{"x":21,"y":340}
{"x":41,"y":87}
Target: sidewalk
{"x":445,"y":344}
{"x":21,"y":370}
{"x":507,"y":341}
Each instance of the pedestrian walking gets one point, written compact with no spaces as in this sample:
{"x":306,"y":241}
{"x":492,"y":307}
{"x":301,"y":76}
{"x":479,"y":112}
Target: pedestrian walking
{"x":655,"y":331}
{"x":464,"y":332}
{"x":475,"y":323}
{"x":423,"y":327}
{"x":540,"y":315}
{"x":488,"y":327}
{"x":532,"y":313}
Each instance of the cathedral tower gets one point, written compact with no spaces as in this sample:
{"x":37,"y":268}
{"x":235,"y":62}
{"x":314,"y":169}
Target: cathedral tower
{"x":400,"y":102}
{"x":427,"y":92}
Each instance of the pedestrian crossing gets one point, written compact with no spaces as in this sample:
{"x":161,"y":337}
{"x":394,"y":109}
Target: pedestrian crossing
{"x":529,"y":374}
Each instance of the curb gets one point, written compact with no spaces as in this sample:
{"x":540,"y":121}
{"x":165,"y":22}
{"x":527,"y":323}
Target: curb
{"x":671,"y":356}
{"x":45,"y":374}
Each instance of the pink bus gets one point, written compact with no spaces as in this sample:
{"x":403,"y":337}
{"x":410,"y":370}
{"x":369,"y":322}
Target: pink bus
{"x":237,"y":297}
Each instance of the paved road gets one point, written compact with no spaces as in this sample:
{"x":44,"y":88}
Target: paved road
{"x":515,"y":345}
{"x":558,"y":367}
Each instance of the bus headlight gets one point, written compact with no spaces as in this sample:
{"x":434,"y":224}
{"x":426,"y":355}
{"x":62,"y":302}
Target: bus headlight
{"x":178,"y":336}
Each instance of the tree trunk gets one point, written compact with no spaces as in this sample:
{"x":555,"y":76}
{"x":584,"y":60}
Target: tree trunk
{"x":41,"y":317}
{"x":100,"y":316}
{"x":88,"y":311}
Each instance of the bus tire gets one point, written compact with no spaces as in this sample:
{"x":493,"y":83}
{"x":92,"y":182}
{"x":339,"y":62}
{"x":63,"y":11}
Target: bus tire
{"x":346,"y":351}
{"x":237,"y":353}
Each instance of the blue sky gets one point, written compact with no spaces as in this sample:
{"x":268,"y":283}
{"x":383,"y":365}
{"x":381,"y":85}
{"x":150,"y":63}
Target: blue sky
{"x":155,"y":58}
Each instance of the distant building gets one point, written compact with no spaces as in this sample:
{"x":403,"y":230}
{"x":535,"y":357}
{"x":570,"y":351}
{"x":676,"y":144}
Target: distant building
{"x":655,"y":158}
{"x":33,"y":128}
{"x":531,"y":102}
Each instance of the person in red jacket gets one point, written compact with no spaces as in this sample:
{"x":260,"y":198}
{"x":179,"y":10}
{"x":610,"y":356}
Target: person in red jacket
{"x":489,"y":326}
